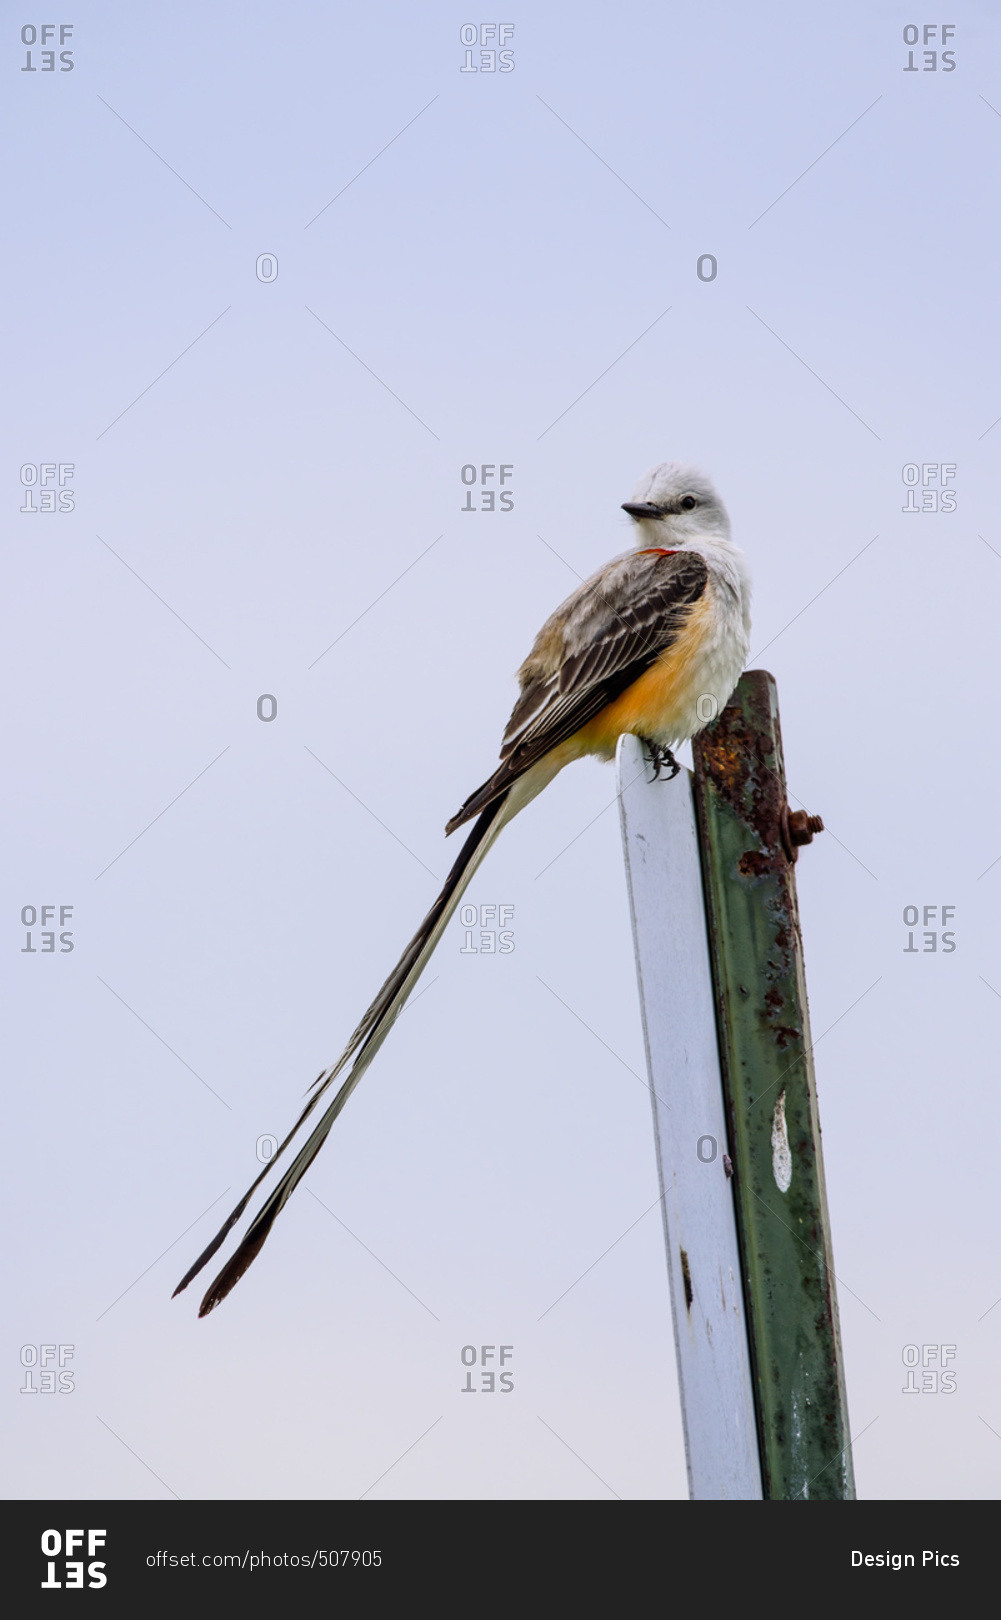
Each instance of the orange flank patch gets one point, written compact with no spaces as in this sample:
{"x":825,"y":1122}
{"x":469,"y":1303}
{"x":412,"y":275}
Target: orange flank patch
{"x":661,"y":697}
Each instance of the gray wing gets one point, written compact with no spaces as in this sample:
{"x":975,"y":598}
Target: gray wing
{"x":593,"y":647}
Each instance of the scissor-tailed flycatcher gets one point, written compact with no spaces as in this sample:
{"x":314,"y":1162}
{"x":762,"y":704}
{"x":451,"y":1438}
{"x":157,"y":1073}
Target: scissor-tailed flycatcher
{"x":634,"y":649}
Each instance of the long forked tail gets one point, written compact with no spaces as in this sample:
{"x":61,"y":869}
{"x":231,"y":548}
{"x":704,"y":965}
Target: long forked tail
{"x":363,"y":1045}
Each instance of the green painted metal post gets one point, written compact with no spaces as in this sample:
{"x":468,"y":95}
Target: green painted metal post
{"x":748,"y":849}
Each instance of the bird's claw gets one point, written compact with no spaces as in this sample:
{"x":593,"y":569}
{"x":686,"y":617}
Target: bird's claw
{"x":661,"y":759}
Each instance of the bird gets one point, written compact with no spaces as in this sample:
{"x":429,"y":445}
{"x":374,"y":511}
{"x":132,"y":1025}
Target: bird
{"x":652,"y":644}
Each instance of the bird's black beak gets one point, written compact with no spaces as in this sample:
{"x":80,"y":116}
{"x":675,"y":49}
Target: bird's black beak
{"x":641,"y":509}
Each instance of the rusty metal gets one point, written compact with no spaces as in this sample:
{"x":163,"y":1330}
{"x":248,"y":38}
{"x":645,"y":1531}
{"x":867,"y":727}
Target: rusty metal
{"x":749,"y":841}
{"x":797,"y":827}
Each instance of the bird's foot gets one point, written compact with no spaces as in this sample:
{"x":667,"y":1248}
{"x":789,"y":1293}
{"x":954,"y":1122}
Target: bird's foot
{"x":661,"y":759}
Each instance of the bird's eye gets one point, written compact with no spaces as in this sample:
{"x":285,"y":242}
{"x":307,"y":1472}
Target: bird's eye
{"x":689,"y":503}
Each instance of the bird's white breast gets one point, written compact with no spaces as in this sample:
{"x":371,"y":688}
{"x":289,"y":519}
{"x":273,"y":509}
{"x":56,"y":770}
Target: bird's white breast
{"x":719,"y":647}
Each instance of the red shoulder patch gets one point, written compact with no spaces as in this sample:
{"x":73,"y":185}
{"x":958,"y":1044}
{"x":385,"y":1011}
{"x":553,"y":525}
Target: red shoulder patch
{"x":656,"y":551}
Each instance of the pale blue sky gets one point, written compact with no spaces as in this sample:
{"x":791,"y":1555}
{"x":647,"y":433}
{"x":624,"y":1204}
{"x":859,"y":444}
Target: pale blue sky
{"x":300,"y":457}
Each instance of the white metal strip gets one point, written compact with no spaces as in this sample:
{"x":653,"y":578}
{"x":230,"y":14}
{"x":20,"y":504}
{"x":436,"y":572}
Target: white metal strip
{"x":660,"y":840}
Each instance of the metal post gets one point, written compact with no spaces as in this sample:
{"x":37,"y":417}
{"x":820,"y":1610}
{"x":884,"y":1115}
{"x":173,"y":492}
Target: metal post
{"x":747,"y":842}
{"x":679,"y":1025}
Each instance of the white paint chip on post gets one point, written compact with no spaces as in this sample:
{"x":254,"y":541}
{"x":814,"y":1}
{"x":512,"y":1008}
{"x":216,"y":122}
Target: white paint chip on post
{"x":660,"y":840}
{"x":781,"y":1155}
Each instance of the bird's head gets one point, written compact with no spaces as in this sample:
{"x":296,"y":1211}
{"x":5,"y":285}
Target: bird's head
{"x":675,"y":503}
